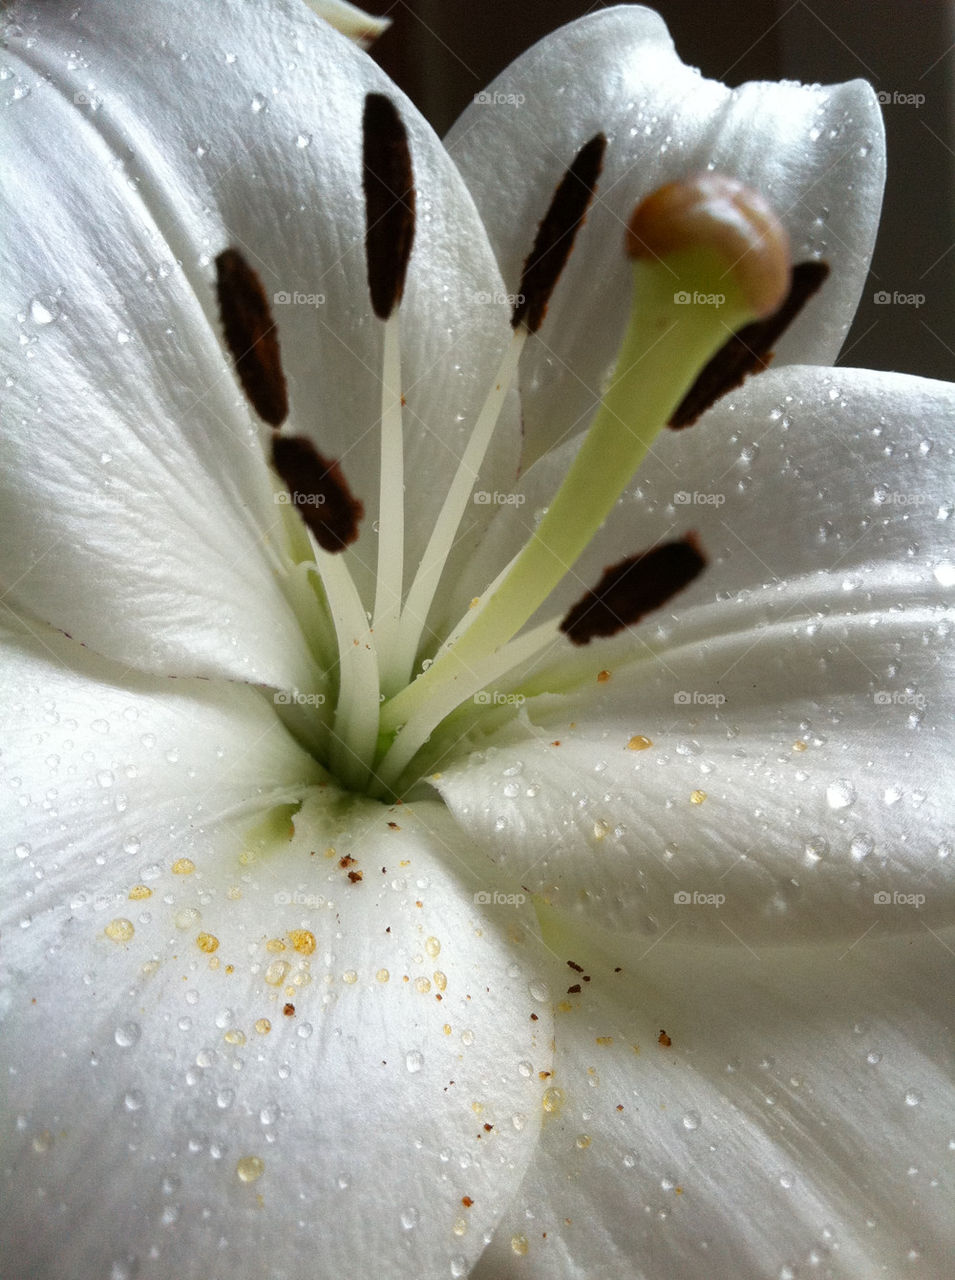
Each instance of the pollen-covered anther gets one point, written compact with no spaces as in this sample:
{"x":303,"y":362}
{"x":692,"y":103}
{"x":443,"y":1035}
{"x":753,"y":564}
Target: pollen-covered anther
{"x":633,"y":588}
{"x":251,"y":336}
{"x":318,"y":490}
{"x":750,"y":350}
{"x":556,"y":234}
{"x":388,"y":184}
{"x":711,"y":211}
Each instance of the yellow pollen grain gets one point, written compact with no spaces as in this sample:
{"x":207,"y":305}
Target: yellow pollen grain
{"x":446,"y":1028}
{"x":183,"y":867}
{"x":422,"y":986}
{"x":603,"y":677}
{"x":433,"y":947}
{"x":207,"y":942}
{"x":382,"y":975}
{"x":564,"y":1006}
{"x":583,"y":1141}
{"x":250,"y":1168}
{"x":138,"y":892}
{"x":639,"y":743}
{"x":799,"y":745}
{"x":247,"y":857}
{"x":441,"y":980}
{"x":120,"y":930}
{"x":697,"y":797}
{"x":605,"y":1040}
{"x":263,"y":1026}
{"x":519,"y":1245}
{"x":275,"y":945}
{"x":330,"y":852}
{"x":234,"y":1036}
{"x":234,"y":893}
{"x":350,"y":977}
{"x":303,"y":941}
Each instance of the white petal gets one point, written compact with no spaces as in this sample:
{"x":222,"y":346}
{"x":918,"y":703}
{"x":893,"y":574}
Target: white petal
{"x":135,"y":483}
{"x":796,"y":697}
{"x":364,"y":28}
{"x":817,"y":154}
{"x":800,"y":1120}
{"x":368,"y":1042}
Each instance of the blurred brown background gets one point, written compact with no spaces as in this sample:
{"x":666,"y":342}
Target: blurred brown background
{"x":442,"y":52}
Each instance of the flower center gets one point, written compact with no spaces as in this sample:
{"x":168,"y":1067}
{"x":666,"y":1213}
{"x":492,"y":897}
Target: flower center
{"x":388,"y":705}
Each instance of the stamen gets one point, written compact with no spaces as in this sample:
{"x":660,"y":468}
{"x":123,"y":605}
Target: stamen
{"x":633,"y":588}
{"x":749,"y":350}
{"x":318,"y":490}
{"x":389,"y":236}
{"x":389,"y":202}
{"x":251,"y":336}
{"x":542,"y":268}
{"x":726,"y":242}
{"x":556,"y":234}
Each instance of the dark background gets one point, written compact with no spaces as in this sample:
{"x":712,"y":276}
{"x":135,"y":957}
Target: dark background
{"x":442,"y":52}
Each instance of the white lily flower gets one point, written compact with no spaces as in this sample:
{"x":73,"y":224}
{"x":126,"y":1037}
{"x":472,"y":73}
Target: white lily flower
{"x":613,"y":958}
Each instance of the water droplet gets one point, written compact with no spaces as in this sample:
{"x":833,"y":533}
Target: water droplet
{"x":303,"y":140}
{"x":873,"y":1058}
{"x":409,"y":1219}
{"x":787,"y":1181}
{"x":126,"y":1034}
{"x":839,"y":795}
{"x":691,"y":1120}
{"x":912,"y":1098}
{"x":134,"y":1100}
{"x":414,"y":1060}
{"x":539,"y":991}
{"x":44,"y":309}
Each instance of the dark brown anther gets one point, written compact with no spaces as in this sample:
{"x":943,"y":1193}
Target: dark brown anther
{"x":749,"y":350}
{"x":556,"y":234}
{"x":635,"y":587}
{"x":389,"y":202}
{"x":251,"y":336}
{"x":318,"y":491}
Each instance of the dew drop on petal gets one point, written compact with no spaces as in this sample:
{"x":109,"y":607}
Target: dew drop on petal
{"x":414,"y":1060}
{"x":840,"y":794}
{"x":126,"y":1034}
